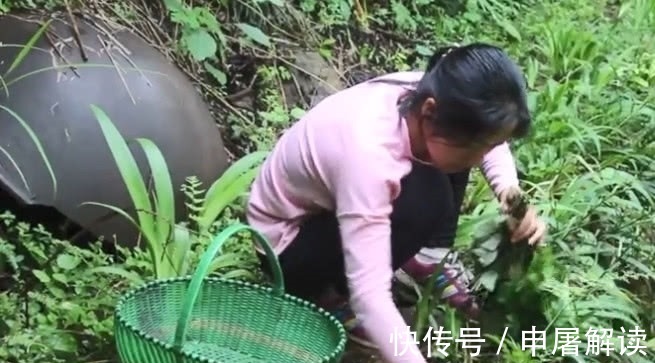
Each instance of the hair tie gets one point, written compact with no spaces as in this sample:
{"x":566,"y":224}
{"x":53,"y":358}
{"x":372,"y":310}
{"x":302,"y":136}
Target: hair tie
{"x":450,"y":49}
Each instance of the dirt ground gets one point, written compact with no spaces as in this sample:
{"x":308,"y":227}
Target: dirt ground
{"x":356,"y":353}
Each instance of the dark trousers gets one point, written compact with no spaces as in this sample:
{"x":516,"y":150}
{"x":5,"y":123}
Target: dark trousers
{"x":425,"y":214}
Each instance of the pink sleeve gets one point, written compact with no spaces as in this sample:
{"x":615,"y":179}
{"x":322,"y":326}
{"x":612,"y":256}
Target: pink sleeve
{"x":363,"y":197}
{"x":499,"y":168}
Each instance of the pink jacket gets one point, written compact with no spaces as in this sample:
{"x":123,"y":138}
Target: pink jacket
{"x":348,"y":154}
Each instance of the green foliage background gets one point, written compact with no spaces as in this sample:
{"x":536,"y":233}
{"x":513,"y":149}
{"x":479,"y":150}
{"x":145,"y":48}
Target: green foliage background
{"x":589,"y":166}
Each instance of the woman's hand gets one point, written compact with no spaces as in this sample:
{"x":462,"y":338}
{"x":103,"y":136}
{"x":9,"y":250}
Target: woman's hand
{"x":531,"y":227}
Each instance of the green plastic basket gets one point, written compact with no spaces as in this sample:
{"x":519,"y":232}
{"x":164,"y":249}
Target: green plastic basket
{"x":208,"y":319}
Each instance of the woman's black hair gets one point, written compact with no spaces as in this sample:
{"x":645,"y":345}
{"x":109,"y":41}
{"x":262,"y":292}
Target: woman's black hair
{"x":478,"y":90}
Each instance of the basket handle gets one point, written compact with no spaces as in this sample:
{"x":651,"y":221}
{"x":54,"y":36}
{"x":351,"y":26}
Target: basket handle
{"x":206,"y":260}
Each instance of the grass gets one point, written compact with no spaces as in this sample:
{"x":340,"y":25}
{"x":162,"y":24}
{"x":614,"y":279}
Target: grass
{"x":34,"y":138}
{"x":588,"y":167}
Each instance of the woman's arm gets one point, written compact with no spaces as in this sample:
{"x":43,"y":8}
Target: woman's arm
{"x":364,"y":197}
{"x":499,"y":169}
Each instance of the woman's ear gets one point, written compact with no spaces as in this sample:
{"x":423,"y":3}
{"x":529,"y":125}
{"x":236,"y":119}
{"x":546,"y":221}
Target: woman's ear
{"x":428,"y":108}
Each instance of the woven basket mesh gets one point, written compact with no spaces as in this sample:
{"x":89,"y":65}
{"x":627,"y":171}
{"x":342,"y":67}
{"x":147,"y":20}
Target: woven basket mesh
{"x":229,"y":321}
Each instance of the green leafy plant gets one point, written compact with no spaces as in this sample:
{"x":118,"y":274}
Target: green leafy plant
{"x":20,"y":57}
{"x":167,"y":242}
{"x":203,"y":38}
{"x":588,"y":165}
{"x":498,"y":258}
{"x":56,"y":308}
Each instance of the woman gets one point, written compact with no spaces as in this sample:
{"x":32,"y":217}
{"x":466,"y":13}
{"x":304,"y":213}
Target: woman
{"x":377,"y":172}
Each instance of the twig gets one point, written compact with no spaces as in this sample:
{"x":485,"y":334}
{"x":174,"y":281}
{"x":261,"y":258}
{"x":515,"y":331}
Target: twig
{"x":76,"y":31}
{"x":280,"y":86}
{"x":135,"y":67}
{"x":113,"y":39}
{"x":127,"y":88}
{"x":60,"y":54}
{"x":299,"y":89}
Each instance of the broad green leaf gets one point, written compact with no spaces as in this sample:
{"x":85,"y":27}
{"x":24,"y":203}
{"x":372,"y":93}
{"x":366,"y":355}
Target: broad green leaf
{"x":488,"y":279}
{"x":509,"y":29}
{"x":41,"y":275}
{"x":492,"y":243}
{"x":424,"y":51}
{"x":133,"y":180}
{"x":488,"y":258}
{"x":239,"y":167}
{"x":254,"y":34}
{"x":173,"y":5}
{"x":225,"y":260}
{"x":26,"y":49}
{"x":403,"y":16}
{"x":651,"y":344}
{"x":177,"y":251}
{"x":164,"y":193}
{"x":231,"y":184}
{"x":67,"y":262}
{"x":225,"y":197}
{"x":238,"y":274}
{"x":200,"y":44}
{"x":297,"y":112}
{"x":62,"y":341}
{"x":218,"y":75}
{"x":60,"y":277}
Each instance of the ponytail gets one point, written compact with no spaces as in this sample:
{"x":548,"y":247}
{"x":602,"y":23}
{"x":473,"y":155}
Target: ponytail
{"x":438,"y":56}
